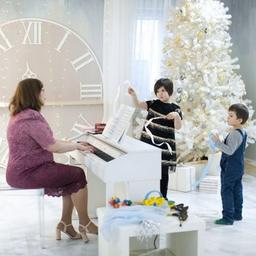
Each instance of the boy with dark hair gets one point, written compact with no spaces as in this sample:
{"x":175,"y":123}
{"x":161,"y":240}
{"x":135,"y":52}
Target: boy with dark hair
{"x":161,"y":131}
{"x":232,"y":165}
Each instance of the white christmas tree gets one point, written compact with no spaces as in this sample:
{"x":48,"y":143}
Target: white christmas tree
{"x":197,"y":57}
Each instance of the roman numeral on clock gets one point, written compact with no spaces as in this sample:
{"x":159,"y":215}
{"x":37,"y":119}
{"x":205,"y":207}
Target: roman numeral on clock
{"x":33,"y":32}
{"x":90,"y":91}
{"x":3,"y":39}
{"x":63,"y":40}
{"x":82,"y":61}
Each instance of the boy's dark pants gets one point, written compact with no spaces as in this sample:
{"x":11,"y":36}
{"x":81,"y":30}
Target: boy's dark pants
{"x":164,"y":181}
{"x":231,"y":195}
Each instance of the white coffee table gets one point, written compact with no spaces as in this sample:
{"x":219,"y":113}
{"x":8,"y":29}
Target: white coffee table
{"x":186,"y":240}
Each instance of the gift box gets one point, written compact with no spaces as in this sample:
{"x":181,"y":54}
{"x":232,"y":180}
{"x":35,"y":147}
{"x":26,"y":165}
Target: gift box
{"x":183,"y":179}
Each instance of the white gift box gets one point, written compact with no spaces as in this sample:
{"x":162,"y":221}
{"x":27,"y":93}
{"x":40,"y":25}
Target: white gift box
{"x":183,"y":179}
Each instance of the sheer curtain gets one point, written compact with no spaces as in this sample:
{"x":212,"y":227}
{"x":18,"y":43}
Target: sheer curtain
{"x":132,"y":48}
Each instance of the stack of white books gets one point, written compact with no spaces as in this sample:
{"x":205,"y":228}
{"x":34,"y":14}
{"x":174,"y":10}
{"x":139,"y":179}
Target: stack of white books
{"x":210,"y":184}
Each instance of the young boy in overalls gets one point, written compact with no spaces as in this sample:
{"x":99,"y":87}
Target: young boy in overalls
{"x":232,"y":165}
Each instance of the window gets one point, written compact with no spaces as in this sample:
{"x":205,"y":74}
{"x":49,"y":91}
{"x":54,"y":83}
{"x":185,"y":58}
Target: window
{"x":147,"y":47}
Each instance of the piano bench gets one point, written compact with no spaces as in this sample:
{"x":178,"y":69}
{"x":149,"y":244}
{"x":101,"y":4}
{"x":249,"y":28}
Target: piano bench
{"x":6,"y":190}
{"x":182,"y":241}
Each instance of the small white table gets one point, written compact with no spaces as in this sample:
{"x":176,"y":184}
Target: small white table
{"x":182,"y":241}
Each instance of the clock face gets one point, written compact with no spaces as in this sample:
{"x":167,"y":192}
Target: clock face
{"x":53,"y":53}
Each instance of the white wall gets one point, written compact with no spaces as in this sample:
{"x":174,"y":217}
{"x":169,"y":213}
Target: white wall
{"x":244,"y":38}
{"x":83,"y":17}
{"x":61,"y":118}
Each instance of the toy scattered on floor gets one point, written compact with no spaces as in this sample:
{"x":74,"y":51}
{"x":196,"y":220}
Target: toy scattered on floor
{"x":154,"y":200}
{"x":171,"y":203}
{"x":179,"y":211}
{"x":127,"y":202}
{"x":116,"y":202}
{"x":158,"y":201}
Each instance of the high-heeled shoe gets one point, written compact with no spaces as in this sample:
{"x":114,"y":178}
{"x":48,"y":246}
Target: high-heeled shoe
{"x":85,"y":229}
{"x":64,"y":230}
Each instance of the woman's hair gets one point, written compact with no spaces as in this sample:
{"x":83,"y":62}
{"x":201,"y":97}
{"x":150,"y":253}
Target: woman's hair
{"x":27,"y":95}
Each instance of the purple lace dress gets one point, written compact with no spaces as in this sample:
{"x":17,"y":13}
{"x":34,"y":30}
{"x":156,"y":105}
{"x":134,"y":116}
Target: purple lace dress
{"x":30,"y":165}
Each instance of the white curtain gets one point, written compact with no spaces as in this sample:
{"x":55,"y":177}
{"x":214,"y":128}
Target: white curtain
{"x":132,"y":48}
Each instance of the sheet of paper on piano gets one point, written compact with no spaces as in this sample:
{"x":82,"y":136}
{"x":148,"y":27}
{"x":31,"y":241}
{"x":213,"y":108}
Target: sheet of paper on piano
{"x":118,"y":125}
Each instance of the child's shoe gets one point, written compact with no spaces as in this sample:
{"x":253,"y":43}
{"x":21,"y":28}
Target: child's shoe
{"x":238,"y":218}
{"x":223,"y":222}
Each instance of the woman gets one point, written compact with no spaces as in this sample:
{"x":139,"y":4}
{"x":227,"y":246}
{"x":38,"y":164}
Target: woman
{"x":31,"y":164}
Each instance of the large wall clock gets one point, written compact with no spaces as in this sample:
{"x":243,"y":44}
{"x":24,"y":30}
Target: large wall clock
{"x":32,"y":47}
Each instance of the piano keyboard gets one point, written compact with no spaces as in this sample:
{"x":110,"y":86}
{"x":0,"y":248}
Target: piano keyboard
{"x":104,"y":156}
{"x":101,"y":147}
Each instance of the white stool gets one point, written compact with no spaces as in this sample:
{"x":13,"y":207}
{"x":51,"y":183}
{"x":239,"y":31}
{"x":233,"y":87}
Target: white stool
{"x":182,"y":241}
{"x":6,"y":190}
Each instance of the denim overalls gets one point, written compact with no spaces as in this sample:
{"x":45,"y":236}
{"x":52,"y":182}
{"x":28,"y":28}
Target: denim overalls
{"x":232,"y":170}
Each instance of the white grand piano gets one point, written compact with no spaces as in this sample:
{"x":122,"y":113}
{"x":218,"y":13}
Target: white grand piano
{"x":121,"y":165}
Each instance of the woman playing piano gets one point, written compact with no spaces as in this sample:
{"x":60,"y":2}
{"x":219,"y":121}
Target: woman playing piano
{"x":31,"y":164}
